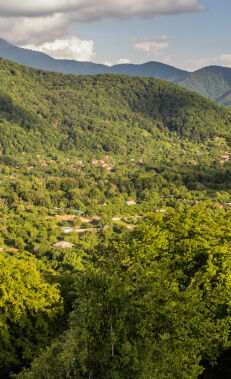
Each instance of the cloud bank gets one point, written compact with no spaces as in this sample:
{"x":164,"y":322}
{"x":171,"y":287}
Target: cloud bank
{"x":151,"y":47}
{"x":89,"y":10}
{"x":221,"y":60}
{"x":70,"y":48}
{"x":40,"y":23}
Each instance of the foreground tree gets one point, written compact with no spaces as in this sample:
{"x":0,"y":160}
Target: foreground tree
{"x":156,"y":305}
{"x":29,"y":308}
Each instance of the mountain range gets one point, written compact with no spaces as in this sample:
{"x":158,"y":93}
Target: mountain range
{"x":42,"y":110}
{"x":213,"y":82}
{"x":100,"y":176}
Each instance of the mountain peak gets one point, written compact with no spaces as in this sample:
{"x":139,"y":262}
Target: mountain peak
{"x":42,"y":61}
{"x":213,"y":82}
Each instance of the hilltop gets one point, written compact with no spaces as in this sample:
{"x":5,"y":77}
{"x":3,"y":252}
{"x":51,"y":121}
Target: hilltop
{"x":43,"y":61}
{"x":42,"y":110}
{"x":212,"y":82}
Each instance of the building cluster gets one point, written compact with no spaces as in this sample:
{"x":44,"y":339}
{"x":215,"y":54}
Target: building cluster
{"x":102,"y":163}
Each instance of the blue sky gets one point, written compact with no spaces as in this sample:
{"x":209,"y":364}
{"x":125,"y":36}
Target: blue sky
{"x":195,"y":39}
{"x":177,"y":32}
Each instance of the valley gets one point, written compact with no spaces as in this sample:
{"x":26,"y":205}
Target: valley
{"x":115,"y":203}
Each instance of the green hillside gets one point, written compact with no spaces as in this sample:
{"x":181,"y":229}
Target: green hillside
{"x":115,"y":197}
{"x":44,"y":111}
{"x":212,"y":82}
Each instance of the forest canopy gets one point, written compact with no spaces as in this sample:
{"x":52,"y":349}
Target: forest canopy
{"x":115,"y":227}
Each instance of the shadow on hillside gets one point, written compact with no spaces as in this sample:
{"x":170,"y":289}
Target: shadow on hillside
{"x":210,"y":178}
{"x":16,"y":113}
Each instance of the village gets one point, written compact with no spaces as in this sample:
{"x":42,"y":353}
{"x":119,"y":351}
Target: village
{"x":83,"y":196}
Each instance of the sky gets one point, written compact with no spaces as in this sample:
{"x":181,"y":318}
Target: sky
{"x":188,"y":34}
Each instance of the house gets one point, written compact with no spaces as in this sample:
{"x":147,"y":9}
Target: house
{"x":77,"y":211}
{"x":29,"y":167}
{"x":130,"y":202}
{"x":67,"y":229}
{"x":225,"y":156}
{"x":13,"y":176}
{"x":228,"y":204}
{"x":218,"y":205}
{"x":44,"y":164}
{"x":160,"y":210}
{"x":64,"y":245}
{"x":94,"y":161}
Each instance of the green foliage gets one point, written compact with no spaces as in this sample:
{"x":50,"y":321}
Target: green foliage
{"x":48,"y":111}
{"x":157,"y":303}
{"x":212,"y":82}
{"x":29,"y":309}
{"x":144,"y":296}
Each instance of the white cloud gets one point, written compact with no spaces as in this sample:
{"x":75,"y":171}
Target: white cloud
{"x":40,"y":21}
{"x":123,"y":61}
{"x":36,"y":31}
{"x":154,"y":47}
{"x":224,"y":60}
{"x":70,"y":48}
{"x":107,"y":63}
{"x":221,"y":60}
{"x":86,"y":10}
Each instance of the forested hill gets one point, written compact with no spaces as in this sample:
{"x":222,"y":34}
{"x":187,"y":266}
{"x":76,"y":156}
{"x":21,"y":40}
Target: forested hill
{"x":115,"y":198}
{"x":212,"y":82}
{"x":44,"y":110}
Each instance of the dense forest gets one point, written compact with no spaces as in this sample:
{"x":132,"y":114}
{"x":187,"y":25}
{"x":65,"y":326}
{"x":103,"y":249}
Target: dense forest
{"x":115,"y":227}
{"x":213,"y":82}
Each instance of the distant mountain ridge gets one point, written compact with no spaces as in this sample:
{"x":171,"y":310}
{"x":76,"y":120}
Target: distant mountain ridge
{"x":43,"y":111}
{"x":42,"y":61}
{"x":212,"y":82}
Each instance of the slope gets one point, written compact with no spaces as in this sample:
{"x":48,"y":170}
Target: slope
{"x":45,"y":110}
{"x":40,"y":60}
{"x":212,"y":82}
